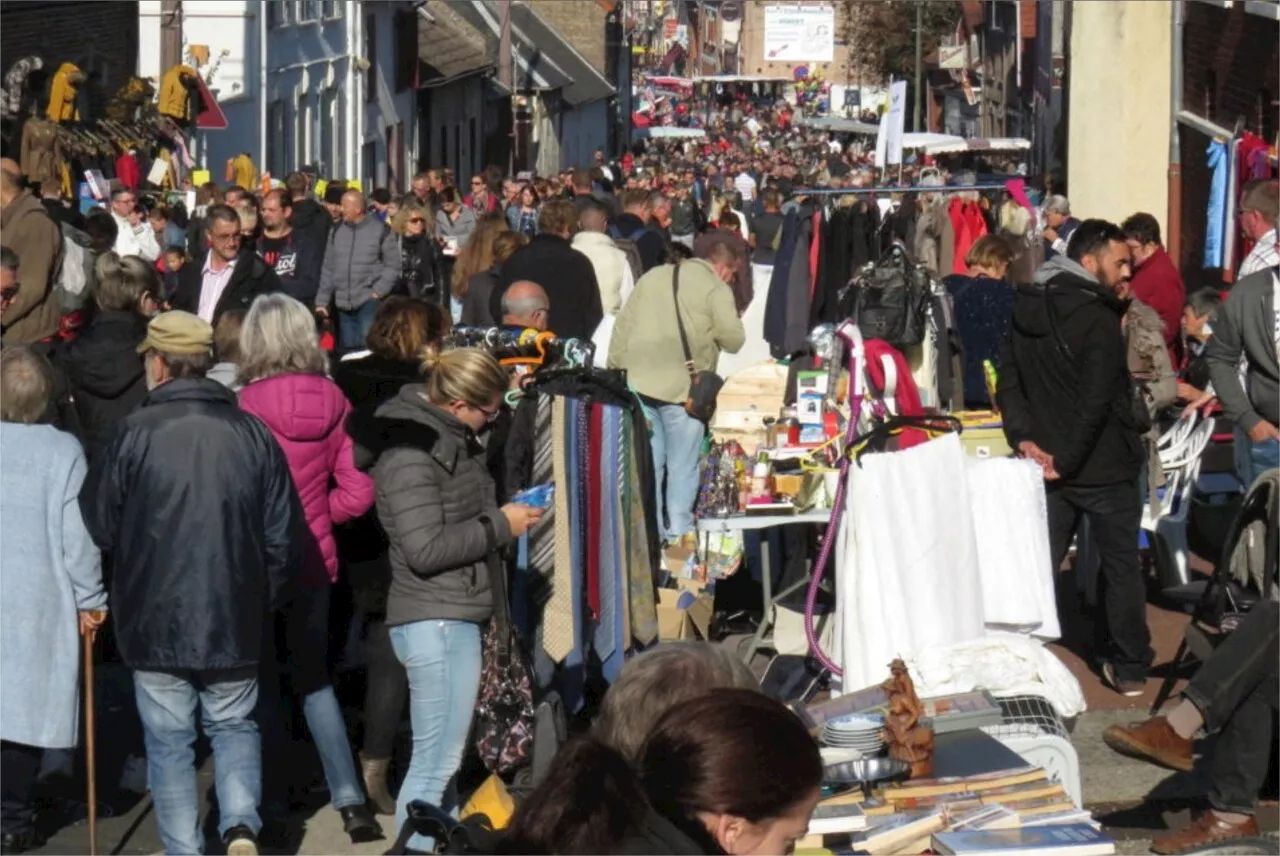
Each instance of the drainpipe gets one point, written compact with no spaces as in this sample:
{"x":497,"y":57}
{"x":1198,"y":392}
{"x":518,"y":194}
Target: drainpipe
{"x":263,"y":166}
{"x":1174,"y":227}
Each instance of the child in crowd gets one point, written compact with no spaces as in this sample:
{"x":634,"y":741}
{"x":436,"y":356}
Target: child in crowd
{"x":172,"y":260}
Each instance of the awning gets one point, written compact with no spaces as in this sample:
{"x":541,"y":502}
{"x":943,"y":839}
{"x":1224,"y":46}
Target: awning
{"x":450,"y":46}
{"x":836,"y":123}
{"x":977,"y":144}
{"x":544,"y":60}
{"x":925,"y":139}
{"x":667,"y":132}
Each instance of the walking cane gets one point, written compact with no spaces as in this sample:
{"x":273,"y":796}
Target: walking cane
{"x":91,"y":763}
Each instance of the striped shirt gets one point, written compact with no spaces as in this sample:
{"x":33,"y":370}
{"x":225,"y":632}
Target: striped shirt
{"x":746,"y":185}
{"x":1265,"y":254}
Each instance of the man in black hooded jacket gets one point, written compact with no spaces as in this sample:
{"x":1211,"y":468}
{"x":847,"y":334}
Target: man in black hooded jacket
{"x":1064,"y":392}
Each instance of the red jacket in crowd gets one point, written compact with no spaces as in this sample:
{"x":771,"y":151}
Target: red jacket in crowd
{"x":1157,"y":283}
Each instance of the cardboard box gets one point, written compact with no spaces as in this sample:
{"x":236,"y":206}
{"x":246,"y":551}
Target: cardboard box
{"x":684,"y":614}
{"x":985,"y":442}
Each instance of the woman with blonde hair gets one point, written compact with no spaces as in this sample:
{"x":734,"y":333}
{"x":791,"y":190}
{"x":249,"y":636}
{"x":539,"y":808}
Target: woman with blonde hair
{"x":436,"y":502}
{"x":51,"y":576}
{"x":477,"y":255}
{"x":983,"y":305}
{"x":283,"y":369}
{"x":102,"y":364}
{"x":475,"y":303}
{"x":413,"y":224}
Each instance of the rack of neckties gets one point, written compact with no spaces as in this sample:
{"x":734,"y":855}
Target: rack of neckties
{"x":527,"y":347}
{"x":583,"y":587}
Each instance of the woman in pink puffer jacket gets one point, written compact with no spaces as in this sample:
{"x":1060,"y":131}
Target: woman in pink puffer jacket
{"x":283,"y":369}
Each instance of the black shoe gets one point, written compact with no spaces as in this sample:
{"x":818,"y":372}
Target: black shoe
{"x":240,"y":841}
{"x":20,"y":842}
{"x":358,"y":823}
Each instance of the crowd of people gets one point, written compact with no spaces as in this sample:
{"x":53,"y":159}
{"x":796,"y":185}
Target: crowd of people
{"x":248,"y":429}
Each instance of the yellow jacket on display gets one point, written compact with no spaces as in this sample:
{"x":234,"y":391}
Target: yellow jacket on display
{"x":62,"y":93}
{"x":175,"y":98}
{"x":242,"y":171}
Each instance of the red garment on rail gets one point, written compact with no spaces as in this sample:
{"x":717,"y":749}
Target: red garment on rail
{"x":128,"y":172}
{"x":906,"y":396}
{"x":969,"y":225}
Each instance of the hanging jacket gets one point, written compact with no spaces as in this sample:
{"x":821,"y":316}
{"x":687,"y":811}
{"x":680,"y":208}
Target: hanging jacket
{"x":307,"y":415}
{"x":175,"y":96}
{"x":128,"y":173}
{"x":62,"y":93}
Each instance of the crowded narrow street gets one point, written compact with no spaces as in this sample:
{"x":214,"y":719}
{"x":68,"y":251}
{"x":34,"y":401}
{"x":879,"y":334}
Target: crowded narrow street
{"x":639,"y":427}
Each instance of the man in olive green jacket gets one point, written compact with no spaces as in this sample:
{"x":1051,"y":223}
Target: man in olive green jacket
{"x":646,"y":343}
{"x":25,"y":228}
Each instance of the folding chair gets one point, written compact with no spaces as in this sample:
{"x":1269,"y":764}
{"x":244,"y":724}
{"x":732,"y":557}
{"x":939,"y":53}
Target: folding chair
{"x":1217,"y":603}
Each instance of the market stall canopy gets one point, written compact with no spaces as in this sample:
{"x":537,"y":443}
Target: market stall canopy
{"x":450,"y":46}
{"x":836,"y":123}
{"x":925,"y":139}
{"x":741,"y":78}
{"x":668,"y":82}
{"x":957,"y":145}
{"x":667,"y":132}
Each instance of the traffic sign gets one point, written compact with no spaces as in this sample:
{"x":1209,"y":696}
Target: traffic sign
{"x":211,"y":117}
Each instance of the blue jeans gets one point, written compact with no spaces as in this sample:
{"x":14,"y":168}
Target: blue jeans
{"x":1253,"y":459}
{"x":353,"y":325}
{"x":307,"y":641}
{"x":442,"y":659}
{"x":677,"y":443}
{"x":167,"y":706}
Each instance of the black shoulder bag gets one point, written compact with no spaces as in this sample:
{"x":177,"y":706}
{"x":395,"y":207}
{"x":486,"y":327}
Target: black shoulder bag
{"x":704,"y":386}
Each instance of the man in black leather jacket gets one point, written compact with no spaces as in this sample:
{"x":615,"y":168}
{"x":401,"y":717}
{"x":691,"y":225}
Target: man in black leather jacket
{"x":193,"y":500}
{"x":1066,"y":398}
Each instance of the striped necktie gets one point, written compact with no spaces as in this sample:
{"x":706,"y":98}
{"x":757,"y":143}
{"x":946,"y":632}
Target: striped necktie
{"x":542,"y":540}
{"x":557,"y":619}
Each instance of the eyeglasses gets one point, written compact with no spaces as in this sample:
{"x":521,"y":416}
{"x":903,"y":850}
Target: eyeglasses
{"x":413,"y":220}
{"x":489,"y":415}
{"x":477,"y":183}
{"x":224,"y":239}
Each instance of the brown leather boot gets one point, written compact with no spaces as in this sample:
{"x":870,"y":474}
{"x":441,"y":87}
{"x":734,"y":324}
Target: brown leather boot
{"x":1208,"y":829}
{"x":1152,"y":740}
{"x":374,"y":772}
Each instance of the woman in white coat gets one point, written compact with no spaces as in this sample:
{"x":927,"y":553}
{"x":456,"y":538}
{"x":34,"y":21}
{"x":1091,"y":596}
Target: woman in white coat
{"x":50,"y":588}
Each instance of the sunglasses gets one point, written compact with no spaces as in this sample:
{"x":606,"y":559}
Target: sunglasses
{"x":416,"y":220}
{"x":9,"y":293}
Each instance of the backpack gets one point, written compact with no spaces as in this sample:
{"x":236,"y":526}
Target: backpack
{"x":890,"y":300}
{"x":74,"y":286}
{"x":628,"y":245}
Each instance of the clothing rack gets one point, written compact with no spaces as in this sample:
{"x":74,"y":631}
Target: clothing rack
{"x":937,"y":188}
{"x":524,"y":345}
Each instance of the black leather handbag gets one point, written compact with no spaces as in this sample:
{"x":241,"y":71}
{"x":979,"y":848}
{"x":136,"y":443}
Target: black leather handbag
{"x":704,"y":386}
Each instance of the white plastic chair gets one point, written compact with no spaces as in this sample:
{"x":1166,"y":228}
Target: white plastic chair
{"x":1171,"y":441}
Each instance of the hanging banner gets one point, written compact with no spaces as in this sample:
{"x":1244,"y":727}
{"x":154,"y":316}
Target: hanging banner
{"x":796,"y":34}
{"x":896,"y":120}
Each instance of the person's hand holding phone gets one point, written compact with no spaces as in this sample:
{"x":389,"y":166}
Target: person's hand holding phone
{"x":520,"y":518}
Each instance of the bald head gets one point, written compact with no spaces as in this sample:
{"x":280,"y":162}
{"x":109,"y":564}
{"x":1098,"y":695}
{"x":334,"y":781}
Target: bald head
{"x":593,"y":218}
{"x":525,"y":304}
{"x":353,"y":206}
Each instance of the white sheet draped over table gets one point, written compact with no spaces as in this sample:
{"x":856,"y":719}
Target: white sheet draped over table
{"x":937,"y":549}
{"x":755,"y":350}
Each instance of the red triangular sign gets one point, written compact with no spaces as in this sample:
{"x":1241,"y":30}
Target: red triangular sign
{"x":211,"y":117}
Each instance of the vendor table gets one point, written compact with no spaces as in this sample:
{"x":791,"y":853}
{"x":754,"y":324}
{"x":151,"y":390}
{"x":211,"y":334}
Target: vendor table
{"x":747,"y":522}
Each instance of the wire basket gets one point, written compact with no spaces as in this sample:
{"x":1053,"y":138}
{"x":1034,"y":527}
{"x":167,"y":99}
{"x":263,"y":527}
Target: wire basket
{"x":1027,"y":716}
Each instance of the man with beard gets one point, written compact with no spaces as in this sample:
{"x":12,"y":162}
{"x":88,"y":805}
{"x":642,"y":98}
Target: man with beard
{"x":289,"y":251}
{"x":1066,"y":397}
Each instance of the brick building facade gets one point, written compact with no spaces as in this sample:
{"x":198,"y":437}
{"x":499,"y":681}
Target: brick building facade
{"x":99,"y":37}
{"x":1231,"y":71}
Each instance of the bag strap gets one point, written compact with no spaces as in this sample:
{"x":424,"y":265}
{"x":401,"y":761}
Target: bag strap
{"x":684,"y":339}
{"x":498,"y":589}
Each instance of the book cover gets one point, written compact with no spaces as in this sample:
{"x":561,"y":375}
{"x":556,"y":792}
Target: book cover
{"x":965,"y":784}
{"x":1078,"y":839}
{"x":842,"y":817}
{"x":883,"y":835}
{"x":986,"y":817}
{"x":1005,"y":795}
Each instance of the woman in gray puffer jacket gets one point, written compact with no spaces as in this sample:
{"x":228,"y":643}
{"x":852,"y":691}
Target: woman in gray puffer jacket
{"x":436,"y":502}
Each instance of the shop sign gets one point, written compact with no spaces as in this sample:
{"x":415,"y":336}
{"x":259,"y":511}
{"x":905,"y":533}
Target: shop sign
{"x":795,"y":34}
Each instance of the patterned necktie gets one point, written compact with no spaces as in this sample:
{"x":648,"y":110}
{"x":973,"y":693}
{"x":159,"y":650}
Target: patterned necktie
{"x":542,"y":537}
{"x":610,"y":567}
{"x":557,"y":619}
{"x":644,"y":609}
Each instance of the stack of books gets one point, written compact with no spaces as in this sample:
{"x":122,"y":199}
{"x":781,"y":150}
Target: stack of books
{"x":1018,"y":810}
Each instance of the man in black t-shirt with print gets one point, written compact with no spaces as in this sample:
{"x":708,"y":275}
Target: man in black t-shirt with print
{"x":295,"y":259}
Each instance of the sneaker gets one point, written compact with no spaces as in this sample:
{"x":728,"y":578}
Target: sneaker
{"x":1126,"y":688}
{"x":240,"y":841}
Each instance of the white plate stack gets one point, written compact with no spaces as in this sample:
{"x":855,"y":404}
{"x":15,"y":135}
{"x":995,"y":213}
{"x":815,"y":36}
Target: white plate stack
{"x":858,"y":731}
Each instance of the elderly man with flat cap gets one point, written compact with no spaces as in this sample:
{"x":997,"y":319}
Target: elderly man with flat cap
{"x":193,"y":499}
